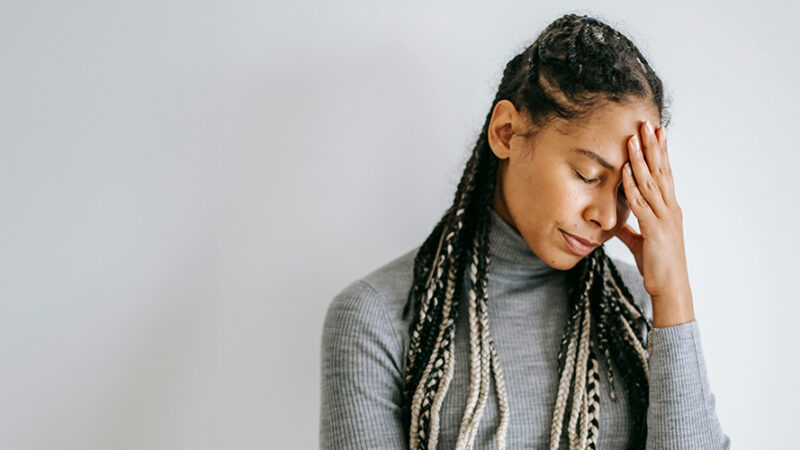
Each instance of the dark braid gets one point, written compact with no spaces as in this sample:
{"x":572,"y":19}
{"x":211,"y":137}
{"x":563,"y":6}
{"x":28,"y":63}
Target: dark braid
{"x":575,"y":64}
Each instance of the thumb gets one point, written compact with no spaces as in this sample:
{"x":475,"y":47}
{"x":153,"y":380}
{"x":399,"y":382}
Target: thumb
{"x":629,"y":237}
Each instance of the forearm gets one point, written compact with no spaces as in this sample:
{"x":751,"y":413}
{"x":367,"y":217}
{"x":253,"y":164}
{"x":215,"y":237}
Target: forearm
{"x":682,"y":408}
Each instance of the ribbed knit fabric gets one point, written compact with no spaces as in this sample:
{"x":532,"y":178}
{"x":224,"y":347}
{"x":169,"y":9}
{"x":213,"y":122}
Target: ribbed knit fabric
{"x":364,"y":342}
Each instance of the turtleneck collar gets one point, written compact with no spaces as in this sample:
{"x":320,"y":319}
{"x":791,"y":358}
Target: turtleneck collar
{"x":511,"y":256}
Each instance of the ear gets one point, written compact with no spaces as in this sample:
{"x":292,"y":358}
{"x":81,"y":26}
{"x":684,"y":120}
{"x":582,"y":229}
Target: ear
{"x":505,"y":120}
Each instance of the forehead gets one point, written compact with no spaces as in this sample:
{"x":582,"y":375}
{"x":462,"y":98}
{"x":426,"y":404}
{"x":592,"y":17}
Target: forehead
{"x":605,"y":130}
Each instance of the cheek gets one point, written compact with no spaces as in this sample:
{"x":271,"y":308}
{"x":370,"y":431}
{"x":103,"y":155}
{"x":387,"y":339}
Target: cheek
{"x":564,"y":203}
{"x":524,"y":189}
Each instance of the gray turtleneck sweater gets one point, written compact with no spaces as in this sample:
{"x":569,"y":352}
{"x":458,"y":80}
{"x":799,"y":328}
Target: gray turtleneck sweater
{"x":364,"y":342}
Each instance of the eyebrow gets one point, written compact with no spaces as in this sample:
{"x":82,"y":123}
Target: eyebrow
{"x":597,"y":158}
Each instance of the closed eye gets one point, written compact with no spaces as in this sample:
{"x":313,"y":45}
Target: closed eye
{"x":621,"y":190}
{"x":584,"y":179}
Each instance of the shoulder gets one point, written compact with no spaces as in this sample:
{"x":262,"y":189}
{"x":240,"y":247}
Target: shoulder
{"x":371,"y":306}
{"x":635,"y":283}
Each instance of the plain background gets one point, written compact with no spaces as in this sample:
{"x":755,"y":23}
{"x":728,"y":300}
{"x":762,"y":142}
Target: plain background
{"x":185,"y":186}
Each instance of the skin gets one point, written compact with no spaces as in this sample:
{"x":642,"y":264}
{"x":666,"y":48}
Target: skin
{"x":539,"y":192}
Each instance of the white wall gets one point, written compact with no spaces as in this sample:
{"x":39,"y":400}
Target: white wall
{"x":186,"y":185}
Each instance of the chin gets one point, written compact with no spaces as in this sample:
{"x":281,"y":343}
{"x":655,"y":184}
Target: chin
{"x":566,"y":263}
{"x":562,"y":261}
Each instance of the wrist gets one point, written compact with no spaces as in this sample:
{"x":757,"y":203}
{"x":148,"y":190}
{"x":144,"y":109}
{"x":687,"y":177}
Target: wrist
{"x":672,"y":309}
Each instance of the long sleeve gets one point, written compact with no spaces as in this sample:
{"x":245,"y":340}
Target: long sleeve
{"x":682,"y":412}
{"x":361,"y":383}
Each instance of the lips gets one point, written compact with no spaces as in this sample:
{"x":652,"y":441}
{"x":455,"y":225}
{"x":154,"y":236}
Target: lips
{"x":578,"y":245}
{"x":584,"y":241}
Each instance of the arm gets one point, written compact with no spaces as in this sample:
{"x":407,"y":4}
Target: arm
{"x":681,"y":413}
{"x":361,"y":383}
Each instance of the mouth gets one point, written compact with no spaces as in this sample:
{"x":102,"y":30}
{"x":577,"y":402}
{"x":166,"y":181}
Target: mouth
{"x":578,"y":245}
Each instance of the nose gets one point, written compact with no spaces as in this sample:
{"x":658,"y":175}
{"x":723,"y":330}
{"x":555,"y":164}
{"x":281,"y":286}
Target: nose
{"x":603,"y":211}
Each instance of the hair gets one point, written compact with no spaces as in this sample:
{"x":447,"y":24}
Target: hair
{"x":575,"y":64}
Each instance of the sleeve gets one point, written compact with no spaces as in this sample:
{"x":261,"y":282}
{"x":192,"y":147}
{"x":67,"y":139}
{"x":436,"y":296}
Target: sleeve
{"x":361,"y":380}
{"x":682,"y":409}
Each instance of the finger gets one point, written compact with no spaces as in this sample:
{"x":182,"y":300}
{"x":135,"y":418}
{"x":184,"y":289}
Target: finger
{"x":638,"y":204}
{"x":651,"y":147}
{"x":664,"y":173}
{"x":648,"y":187}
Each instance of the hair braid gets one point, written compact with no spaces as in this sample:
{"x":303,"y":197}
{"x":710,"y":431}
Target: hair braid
{"x":420,"y":411}
{"x":573,"y":65}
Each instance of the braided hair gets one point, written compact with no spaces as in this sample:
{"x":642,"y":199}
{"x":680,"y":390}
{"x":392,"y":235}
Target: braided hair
{"x":575,"y":63}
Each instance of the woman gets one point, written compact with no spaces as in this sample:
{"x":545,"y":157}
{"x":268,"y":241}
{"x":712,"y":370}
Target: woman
{"x":510,"y":326}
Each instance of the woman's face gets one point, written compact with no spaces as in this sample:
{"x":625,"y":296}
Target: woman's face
{"x":539,"y":188}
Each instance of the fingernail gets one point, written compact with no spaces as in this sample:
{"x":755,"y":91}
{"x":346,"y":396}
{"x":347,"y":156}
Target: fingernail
{"x":635,"y":143}
{"x":648,"y":126}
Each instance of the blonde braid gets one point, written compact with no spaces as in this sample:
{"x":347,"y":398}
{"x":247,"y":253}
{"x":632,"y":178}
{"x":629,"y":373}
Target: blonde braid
{"x":563,"y":387}
{"x":483,"y":362}
{"x":578,"y":441}
{"x":446,"y":336}
{"x":434,"y":373}
{"x":593,"y":410}
{"x":474,"y":360}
